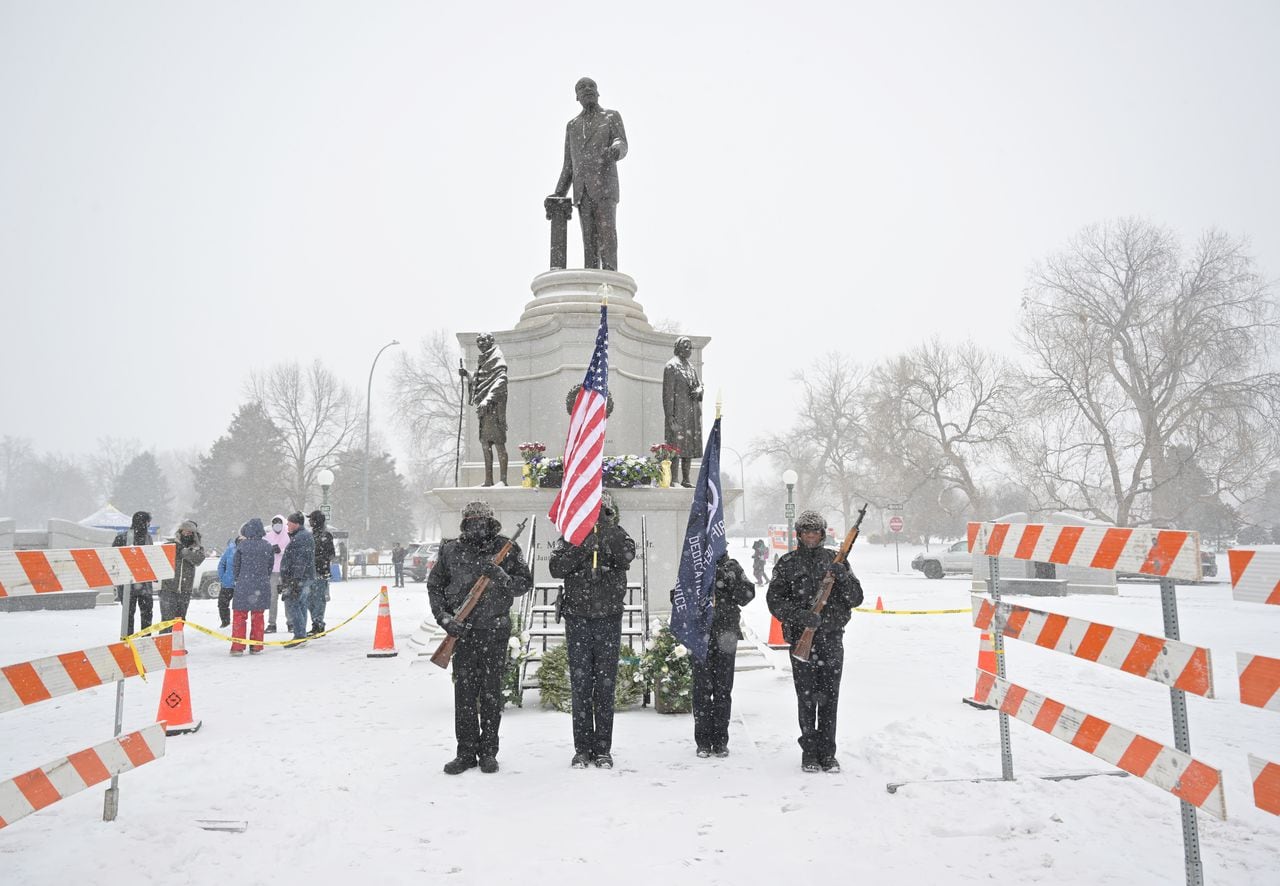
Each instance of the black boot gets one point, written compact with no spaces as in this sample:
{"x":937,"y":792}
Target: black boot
{"x":488,"y":765}
{"x":459,"y":765}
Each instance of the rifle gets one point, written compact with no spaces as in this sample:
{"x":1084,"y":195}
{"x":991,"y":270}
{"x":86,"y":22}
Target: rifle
{"x":804,"y":647}
{"x":442,"y":655}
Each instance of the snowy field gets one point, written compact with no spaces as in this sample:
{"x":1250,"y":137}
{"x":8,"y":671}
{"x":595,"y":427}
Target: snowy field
{"x":333,"y":760}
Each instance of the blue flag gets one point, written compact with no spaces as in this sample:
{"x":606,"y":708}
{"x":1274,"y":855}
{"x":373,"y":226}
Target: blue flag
{"x":704,"y":544}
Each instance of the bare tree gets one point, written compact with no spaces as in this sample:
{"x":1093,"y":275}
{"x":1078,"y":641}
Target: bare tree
{"x":108,"y":459}
{"x":1137,"y":346}
{"x":318,"y":415}
{"x":945,"y":412}
{"x":428,"y":402}
{"x":826,"y":445}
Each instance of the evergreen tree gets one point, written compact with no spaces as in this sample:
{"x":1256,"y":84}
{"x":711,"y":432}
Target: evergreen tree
{"x":141,"y":486}
{"x":241,"y":477}
{"x":390,"y":507}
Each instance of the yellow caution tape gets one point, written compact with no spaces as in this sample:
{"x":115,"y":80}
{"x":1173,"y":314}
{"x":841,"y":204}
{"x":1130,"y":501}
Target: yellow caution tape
{"x":913,"y":611}
{"x":137,"y":659}
{"x":243,"y":640}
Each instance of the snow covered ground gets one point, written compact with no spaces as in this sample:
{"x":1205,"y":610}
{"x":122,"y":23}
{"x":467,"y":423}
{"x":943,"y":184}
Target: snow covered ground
{"x":333,"y":759}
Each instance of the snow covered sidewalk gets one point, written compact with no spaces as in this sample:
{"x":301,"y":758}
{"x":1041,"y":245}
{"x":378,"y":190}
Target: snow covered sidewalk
{"x":333,"y":760}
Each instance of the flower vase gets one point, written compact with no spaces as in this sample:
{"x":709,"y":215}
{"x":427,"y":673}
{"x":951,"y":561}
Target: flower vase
{"x":526,"y":476}
{"x":664,"y":469}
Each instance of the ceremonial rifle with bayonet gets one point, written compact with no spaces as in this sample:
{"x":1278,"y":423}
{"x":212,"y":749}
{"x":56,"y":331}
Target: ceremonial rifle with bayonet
{"x":804,"y":647}
{"x":442,"y":655}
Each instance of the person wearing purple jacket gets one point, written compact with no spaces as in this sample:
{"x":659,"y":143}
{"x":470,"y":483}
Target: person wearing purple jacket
{"x":251,"y":565}
{"x":279,"y":539}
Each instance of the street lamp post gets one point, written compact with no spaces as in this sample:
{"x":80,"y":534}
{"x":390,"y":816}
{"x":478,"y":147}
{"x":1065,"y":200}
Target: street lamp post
{"x":789,"y":477}
{"x":325,"y":479}
{"x":743,"y":474}
{"x":368,"y":407}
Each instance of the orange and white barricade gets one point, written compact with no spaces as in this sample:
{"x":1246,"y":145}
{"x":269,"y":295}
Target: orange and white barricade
{"x":45,"y":678}
{"x":82,"y":569}
{"x":1155,"y":552}
{"x":1168,"y":768}
{"x":34,"y":790}
{"x":1165,"y":554}
{"x":1255,"y":578}
{"x":1170,"y":662}
{"x":27,"y":683}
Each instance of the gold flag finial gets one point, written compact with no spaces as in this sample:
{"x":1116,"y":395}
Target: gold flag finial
{"x":719,"y":402}
{"x":604,"y":291}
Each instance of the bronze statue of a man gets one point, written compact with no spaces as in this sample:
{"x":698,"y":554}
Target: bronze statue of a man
{"x":682,"y":406}
{"x":488,"y":393}
{"x":594,"y":142}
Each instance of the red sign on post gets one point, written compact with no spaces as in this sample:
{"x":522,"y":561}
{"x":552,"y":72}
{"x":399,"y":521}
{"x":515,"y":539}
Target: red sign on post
{"x":895,"y":524}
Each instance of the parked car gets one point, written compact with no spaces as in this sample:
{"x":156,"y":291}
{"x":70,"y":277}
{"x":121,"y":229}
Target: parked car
{"x":955,"y":559}
{"x":421,"y":558}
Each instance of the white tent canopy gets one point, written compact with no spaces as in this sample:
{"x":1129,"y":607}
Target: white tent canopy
{"x":107,"y":517}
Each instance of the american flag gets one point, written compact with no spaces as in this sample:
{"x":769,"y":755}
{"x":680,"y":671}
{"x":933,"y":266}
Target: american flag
{"x":577,"y":505}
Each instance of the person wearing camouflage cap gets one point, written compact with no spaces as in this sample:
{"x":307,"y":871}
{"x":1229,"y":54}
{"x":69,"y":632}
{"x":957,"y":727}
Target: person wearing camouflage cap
{"x":797,"y":578}
{"x":480,"y":657}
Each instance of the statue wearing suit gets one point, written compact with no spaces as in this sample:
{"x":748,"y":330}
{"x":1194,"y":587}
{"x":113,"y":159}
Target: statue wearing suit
{"x":594,"y":142}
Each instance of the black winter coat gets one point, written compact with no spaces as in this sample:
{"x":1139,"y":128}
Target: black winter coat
{"x":596,"y":592}
{"x":298,"y":562}
{"x":459,"y":564}
{"x":325,"y":552}
{"x":796,"y":579}
{"x":732,"y":592}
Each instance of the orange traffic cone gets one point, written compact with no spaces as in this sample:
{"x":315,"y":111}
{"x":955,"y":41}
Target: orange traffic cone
{"x":175,"y":694}
{"x":879,"y":604}
{"x":986,"y":662}
{"x":776,"y":640}
{"x":384,"y":643}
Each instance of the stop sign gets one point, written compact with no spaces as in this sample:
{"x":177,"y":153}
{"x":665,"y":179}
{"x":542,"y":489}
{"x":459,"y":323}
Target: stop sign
{"x":895,"y":524}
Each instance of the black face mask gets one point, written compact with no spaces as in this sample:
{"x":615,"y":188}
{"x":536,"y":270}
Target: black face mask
{"x":475,"y":530}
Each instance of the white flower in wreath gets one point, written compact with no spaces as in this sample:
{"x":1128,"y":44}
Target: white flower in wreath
{"x":514,"y":644}
{"x":679,"y":651}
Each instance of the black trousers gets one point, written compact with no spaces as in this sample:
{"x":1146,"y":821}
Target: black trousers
{"x":399,"y":575}
{"x":817,"y":684}
{"x":479,"y":667}
{"x":599,"y":221}
{"x":173,"y":605}
{"x":593,"y":672}
{"x":224,"y":604}
{"x":713,"y":690}
{"x":144,"y":603}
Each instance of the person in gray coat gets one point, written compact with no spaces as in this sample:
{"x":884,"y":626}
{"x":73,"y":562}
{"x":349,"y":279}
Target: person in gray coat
{"x":175,"y":593}
{"x":251,"y":565}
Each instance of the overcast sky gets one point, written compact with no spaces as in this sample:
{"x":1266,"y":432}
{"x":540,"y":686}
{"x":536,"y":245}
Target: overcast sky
{"x":191,"y":191}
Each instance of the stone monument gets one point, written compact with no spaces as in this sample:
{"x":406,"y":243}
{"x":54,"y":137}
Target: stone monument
{"x":547,"y":352}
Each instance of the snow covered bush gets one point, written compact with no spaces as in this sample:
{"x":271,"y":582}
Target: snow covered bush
{"x":667,"y":669}
{"x":554,"y":687}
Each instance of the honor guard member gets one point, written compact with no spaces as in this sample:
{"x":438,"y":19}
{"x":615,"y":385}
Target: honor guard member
{"x":480,"y":658}
{"x":713,"y":679}
{"x":797,"y":576}
{"x":595,"y":593}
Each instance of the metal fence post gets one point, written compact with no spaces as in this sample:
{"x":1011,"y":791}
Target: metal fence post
{"x":997,"y":641}
{"x":1182,"y":740}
